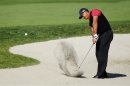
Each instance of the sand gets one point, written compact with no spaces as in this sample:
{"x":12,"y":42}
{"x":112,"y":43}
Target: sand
{"x":67,"y":59}
{"x":48,"y":73}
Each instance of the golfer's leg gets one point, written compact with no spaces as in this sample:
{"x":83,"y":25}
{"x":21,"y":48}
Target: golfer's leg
{"x":103,"y":52}
{"x":105,"y":58}
{"x":97,"y":48}
{"x":101,"y":60}
{"x":107,"y":50}
{"x":97,"y":53}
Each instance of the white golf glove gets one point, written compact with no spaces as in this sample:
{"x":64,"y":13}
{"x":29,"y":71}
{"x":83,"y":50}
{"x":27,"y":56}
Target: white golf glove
{"x":95,"y":38}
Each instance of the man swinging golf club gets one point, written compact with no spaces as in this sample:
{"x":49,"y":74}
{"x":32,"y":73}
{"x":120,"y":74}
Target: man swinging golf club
{"x":102,"y":36}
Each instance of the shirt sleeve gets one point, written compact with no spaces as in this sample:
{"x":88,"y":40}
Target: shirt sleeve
{"x":96,"y":12}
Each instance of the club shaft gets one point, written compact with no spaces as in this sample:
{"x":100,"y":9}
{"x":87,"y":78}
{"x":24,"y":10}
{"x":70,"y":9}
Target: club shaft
{"x":86,"y":56}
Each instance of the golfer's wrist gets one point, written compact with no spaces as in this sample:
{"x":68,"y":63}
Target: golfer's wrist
{"x":95,"y":36}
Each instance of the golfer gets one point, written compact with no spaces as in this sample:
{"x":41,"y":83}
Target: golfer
{"x":102,"y":36}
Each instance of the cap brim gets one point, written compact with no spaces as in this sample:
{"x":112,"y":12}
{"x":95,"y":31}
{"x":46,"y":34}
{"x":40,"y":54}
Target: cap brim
{"x":80,"y":17}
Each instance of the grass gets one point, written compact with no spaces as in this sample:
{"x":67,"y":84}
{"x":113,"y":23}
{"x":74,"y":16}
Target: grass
{"x":8,"y":2}
{"x":44,"y":20}
{"x":11,"y":36}
{"x":58,"y":13}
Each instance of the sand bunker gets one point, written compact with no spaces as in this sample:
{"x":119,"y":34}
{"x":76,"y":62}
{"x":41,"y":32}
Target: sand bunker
{"x":48,"y":73}
{"x":67,"y":59}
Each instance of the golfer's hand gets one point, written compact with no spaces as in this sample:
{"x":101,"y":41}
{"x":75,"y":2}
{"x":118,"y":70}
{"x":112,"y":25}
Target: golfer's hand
{"x":95,"y":38}
{"x":94,"y":41}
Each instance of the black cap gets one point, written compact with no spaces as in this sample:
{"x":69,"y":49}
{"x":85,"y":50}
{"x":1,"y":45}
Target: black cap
{"x":81,"y":11}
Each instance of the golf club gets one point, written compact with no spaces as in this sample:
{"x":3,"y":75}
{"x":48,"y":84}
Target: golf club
{"x":85,"y":56}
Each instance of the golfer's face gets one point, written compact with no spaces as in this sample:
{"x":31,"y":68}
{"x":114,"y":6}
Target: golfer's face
{"x":85,"y":15}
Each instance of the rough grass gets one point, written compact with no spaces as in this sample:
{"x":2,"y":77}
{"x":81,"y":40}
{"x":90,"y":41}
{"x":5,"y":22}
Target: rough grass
{"x":10,"y":36}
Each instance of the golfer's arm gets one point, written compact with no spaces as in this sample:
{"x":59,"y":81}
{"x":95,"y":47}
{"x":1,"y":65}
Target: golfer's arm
{"x":95,"y":25}
{"x":91,"y":30}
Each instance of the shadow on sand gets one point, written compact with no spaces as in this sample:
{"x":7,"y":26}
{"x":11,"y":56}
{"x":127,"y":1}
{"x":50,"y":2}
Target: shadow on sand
{"x":110,"y":75}
{"x":74,"y":76}
{"x":115,"y":75}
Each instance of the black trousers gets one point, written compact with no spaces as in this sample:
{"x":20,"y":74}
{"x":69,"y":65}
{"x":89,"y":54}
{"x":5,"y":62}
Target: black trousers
{"x":102,"y":49}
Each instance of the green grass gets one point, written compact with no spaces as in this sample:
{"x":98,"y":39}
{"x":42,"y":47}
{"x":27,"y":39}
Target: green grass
{"x":11,"y":36}
{"x":51,"y":19}
{"x":58,"y":13}
{"x":8,"y":2}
